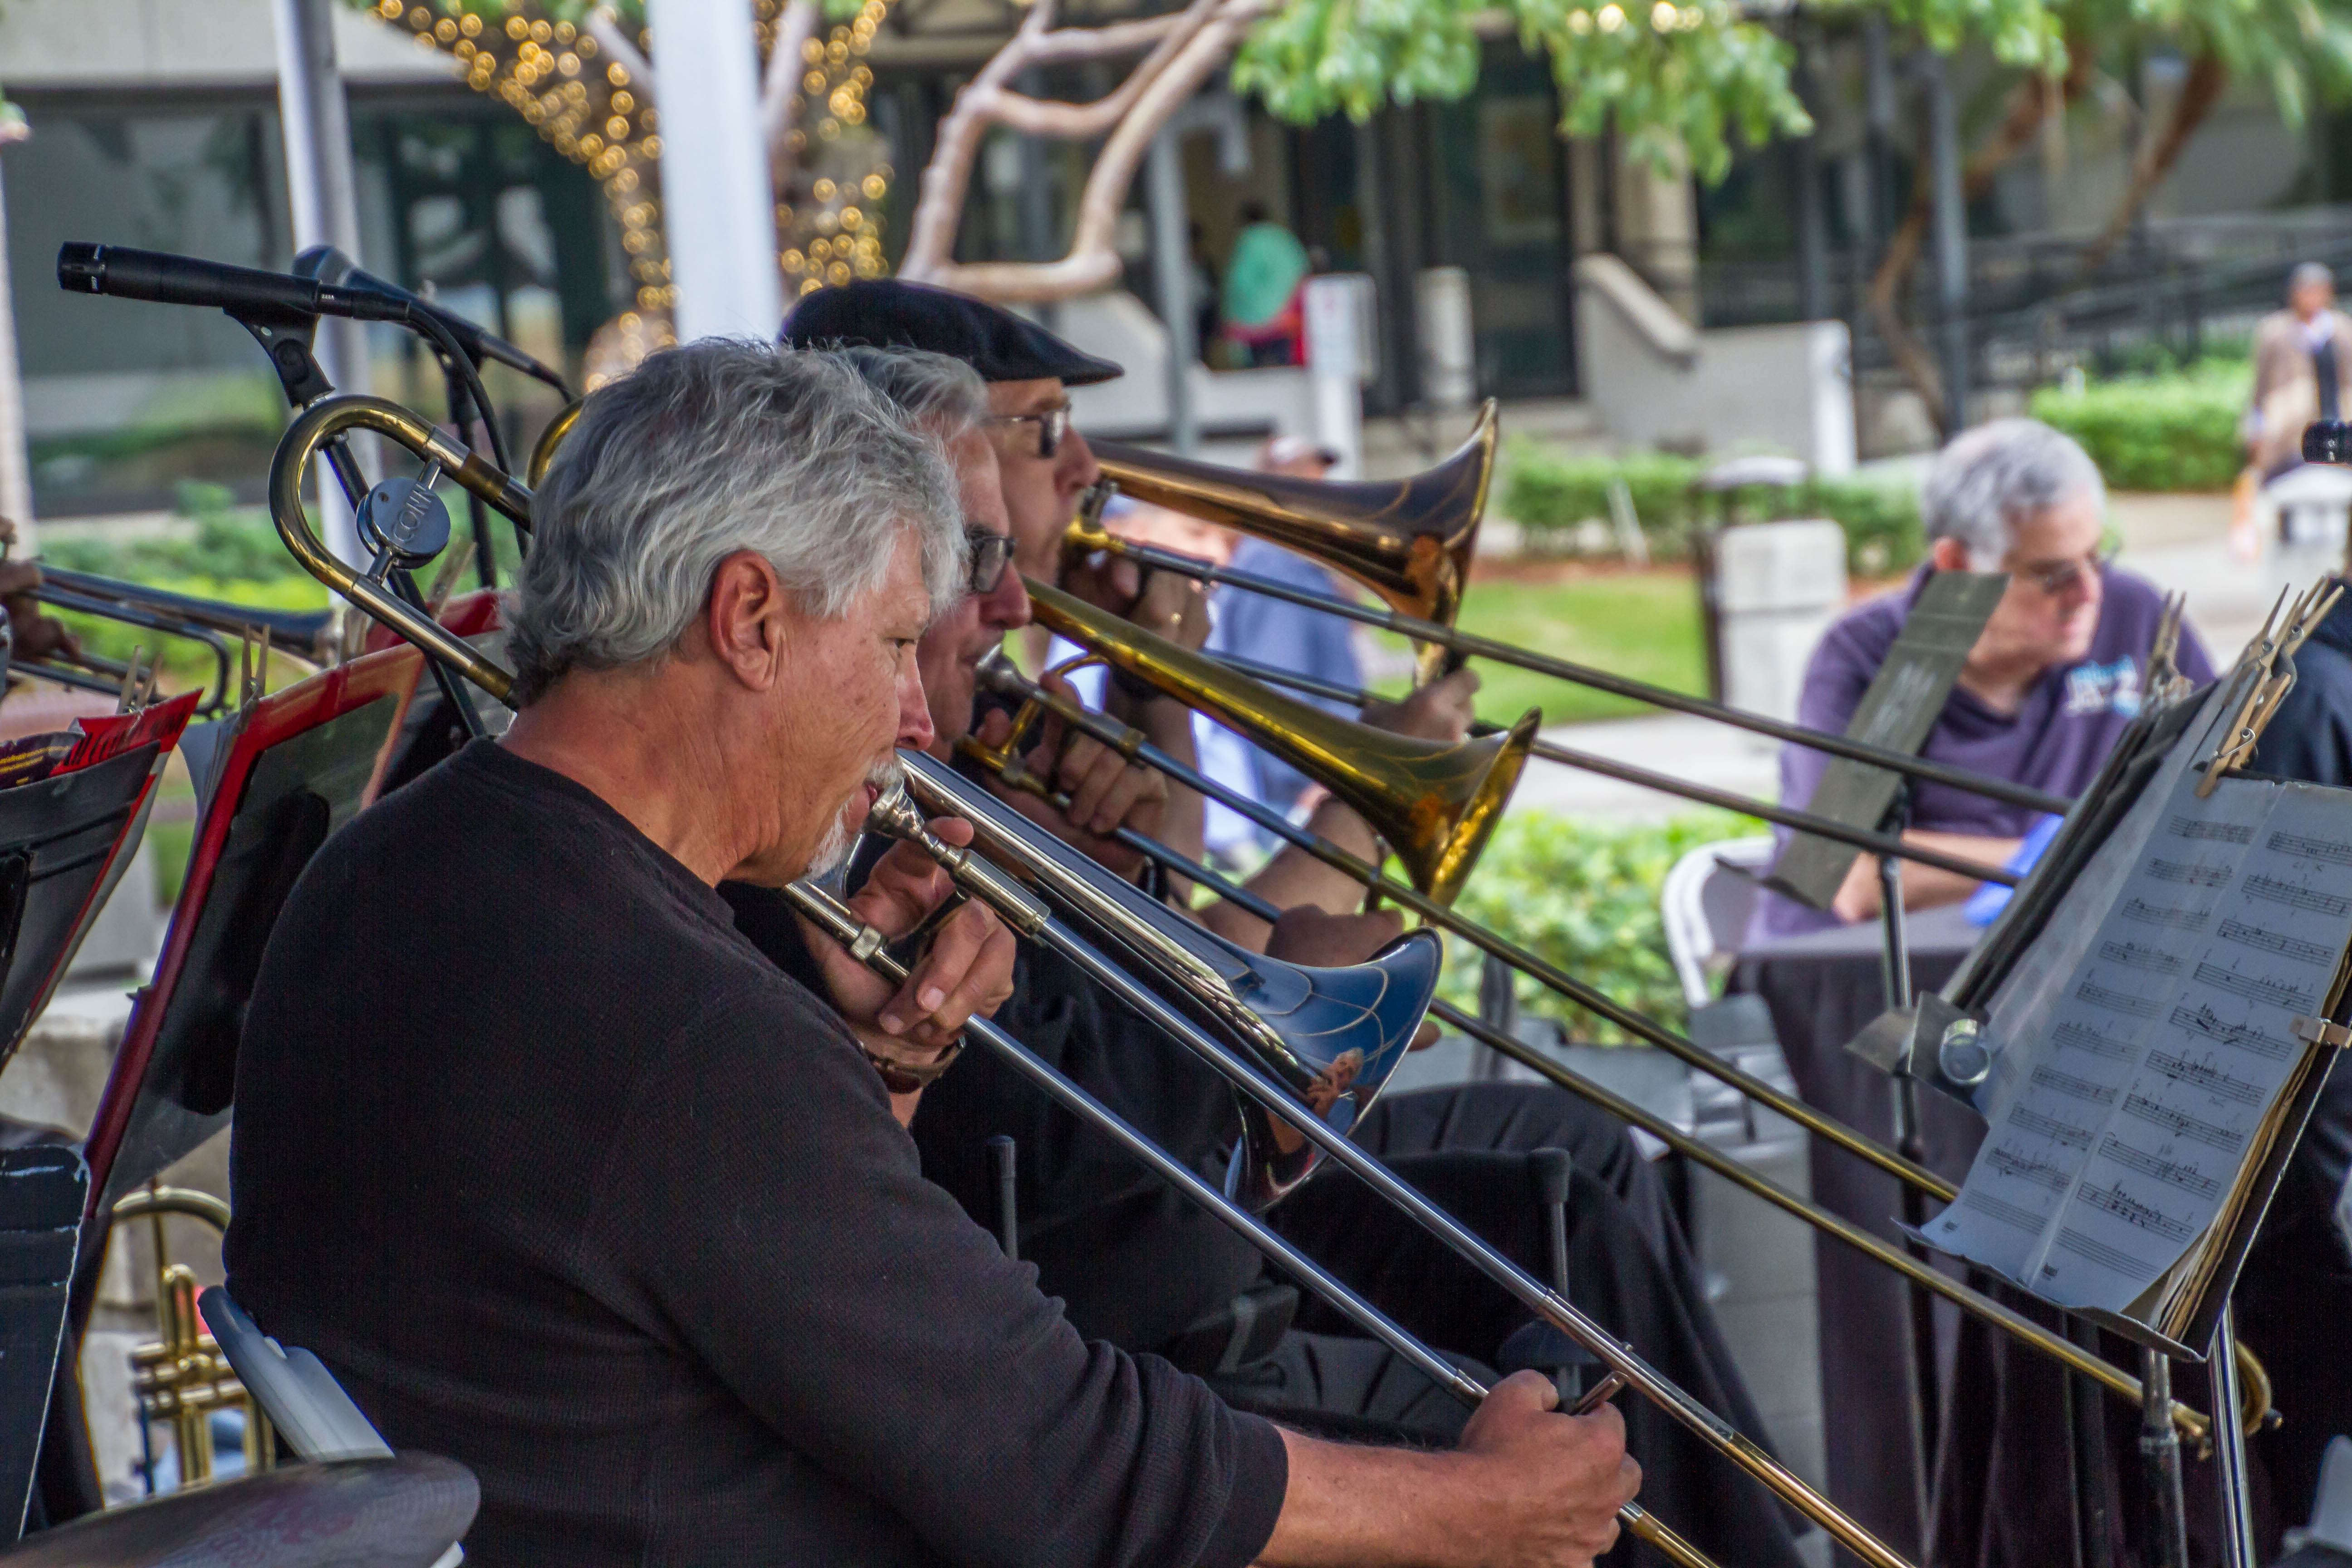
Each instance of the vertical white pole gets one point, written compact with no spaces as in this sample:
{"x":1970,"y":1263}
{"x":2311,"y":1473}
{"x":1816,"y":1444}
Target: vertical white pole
{"x":322,"y":195}
{"x":1172,"y":255}
{"x":717,"y":209}
{"x":15,"y":466}
{"x":1335,"y":368}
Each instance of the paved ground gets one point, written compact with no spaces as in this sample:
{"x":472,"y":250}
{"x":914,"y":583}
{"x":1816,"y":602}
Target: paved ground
{"x":2179,"y":542}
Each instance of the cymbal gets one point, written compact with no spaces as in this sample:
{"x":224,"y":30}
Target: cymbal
{"x":398,"y":1512}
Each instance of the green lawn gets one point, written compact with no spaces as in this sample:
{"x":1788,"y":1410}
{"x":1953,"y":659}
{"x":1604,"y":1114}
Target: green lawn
{"x":1642,"y":625}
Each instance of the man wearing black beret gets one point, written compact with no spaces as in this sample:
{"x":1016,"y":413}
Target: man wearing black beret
{"x":1134,"y":1263}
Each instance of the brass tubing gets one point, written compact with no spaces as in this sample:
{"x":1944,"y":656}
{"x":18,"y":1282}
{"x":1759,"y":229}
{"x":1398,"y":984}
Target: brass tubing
{"x":1536,"y":1298}
{"x":1112,"y":733}
{"x":1664,"y":784}
{"x":2056,"y":1346}
{"x":333,"y":416}
{"x":1470,"y":644}
{"x":543,"y":454}
{"x":840,"y":923}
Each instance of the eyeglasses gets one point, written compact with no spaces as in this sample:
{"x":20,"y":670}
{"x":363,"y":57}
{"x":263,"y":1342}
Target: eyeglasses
{"x":992,"y":553}
{"x":2059,"y":576}
{"x":1053,"y":424}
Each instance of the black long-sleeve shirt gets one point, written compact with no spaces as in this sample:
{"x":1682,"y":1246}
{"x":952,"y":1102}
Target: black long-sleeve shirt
{"x":1135,"y":1261}
{"x":563,"y":1179}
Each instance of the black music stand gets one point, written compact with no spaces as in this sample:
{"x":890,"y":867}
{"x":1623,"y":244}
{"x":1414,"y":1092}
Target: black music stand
{"x":42,"y":1190}
{"x":288,"y":769}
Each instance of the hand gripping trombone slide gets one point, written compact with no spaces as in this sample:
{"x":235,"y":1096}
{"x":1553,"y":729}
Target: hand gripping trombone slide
{"x":1069,"y":882}
{"x":1090,"y":888}
{"x":838,"y":920}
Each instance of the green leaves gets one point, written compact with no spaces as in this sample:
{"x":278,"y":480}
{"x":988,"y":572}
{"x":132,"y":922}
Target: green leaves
{"x":1582,"y":893}
{"x":1679,"y":80}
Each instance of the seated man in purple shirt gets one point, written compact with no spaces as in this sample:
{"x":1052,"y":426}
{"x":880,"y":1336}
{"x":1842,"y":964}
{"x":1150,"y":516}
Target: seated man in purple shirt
{"x":2046,"y":690}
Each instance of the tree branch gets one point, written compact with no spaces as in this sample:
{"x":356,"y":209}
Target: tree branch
{"x":2029,"y":104}
{"x":1137,"y":105}
{"x":1093,"y":261}
{"x":616,"y":44}
{"x":2199,"y":91}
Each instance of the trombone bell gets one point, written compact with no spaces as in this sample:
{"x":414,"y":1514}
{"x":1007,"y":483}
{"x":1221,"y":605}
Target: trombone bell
{"x":1408,"y":540}
{"x":1434,"y":804}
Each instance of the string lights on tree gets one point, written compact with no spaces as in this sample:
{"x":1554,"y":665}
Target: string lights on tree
{"x":587,"y":78}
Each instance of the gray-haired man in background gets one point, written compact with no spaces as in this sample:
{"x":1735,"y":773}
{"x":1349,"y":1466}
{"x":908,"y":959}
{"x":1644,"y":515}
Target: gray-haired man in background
{"x":2045,"y":692}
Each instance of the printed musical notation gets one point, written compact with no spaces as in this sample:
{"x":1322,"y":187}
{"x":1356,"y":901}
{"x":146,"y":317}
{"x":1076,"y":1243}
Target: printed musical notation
{"x":2255,"y":988}
{"x":2204,"y":1075}
{"x":2287,"y":946}
{"x":2133,"y":1213}
{"x":2050,"y":1127}
{"x":2172,"y":1173}
{"x":2149,"y":914}
{"x":2146,"y":1040}
{"x":2132,"y":955}
{"x":2075,"y":1088}
{"x":2181,"y":1124}
{"x":2296,"y":896}
{"x":2026,"y":1167}
{"x":2115,"y":1001}
{"x":2302,"y":846}
{"x":2082,"y":1038}
{"x":2245,"y":1036}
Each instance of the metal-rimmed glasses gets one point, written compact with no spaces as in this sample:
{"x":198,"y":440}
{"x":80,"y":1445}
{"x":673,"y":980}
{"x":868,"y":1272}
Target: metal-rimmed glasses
{"x":2060,"y":575}
{"x":1053,"y":424}
{"x":992,"y":553}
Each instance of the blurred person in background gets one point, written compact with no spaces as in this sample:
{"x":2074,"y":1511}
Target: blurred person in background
{"x":31,"y":634}
{"x":2302,"y":371}
{"x":1259,"y":298}
{"x":2049,"y":687}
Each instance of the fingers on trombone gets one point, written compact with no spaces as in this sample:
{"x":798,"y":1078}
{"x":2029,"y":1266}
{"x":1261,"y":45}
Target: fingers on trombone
{"x":967,"y":969}
{"x":1105,"y":788}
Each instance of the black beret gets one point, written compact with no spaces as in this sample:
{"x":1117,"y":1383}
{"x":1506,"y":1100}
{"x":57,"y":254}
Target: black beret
{"x":885,"y":313}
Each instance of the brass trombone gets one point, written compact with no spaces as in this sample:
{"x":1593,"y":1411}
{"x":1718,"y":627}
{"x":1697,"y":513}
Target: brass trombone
{"x":1078,"y":890}
{"x":1409,"y":541}
{"x":1240,"y":703}
{"x":1335,"y":547}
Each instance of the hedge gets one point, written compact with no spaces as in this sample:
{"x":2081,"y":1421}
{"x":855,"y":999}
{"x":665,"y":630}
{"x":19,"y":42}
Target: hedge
{"x":1582,"y":892}
{"x":1551,"y":496}
{"x":2174,"y":431}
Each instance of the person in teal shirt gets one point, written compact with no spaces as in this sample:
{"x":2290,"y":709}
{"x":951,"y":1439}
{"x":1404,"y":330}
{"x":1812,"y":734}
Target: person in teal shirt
{"x":1261,"y":280}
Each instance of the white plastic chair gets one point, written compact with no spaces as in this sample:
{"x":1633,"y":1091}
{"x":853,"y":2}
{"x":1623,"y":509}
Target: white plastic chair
{"x":1705,"y":905}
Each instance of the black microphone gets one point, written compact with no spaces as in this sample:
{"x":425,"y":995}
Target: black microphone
{"x":168,"y":280}
{"x":331,"y":265}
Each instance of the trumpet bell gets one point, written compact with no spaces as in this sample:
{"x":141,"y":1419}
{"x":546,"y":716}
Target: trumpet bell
{"x":1408,"y":540}
{"x":1435,"y":806}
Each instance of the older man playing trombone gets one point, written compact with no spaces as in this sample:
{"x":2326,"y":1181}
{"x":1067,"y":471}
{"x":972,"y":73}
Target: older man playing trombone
{"x":562,"y":1178}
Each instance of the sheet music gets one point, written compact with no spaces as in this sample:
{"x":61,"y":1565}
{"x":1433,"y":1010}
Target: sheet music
{"x":2132,"y":1081}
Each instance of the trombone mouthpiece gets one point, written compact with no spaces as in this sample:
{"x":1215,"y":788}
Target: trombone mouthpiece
{"x":895,"y":816}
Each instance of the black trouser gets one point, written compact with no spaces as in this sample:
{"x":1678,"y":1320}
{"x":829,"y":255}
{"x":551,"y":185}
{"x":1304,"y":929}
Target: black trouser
{"x":1628,"y":1268}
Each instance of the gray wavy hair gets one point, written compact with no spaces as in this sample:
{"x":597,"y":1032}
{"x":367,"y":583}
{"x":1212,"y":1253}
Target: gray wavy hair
{"x":1992,"y":478}
{"x":718,"y":447}
{"x":941,"y":393}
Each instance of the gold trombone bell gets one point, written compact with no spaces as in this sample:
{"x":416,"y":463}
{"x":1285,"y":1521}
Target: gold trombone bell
{"x":1434,"y":804}
{"x":1409,"y":541}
